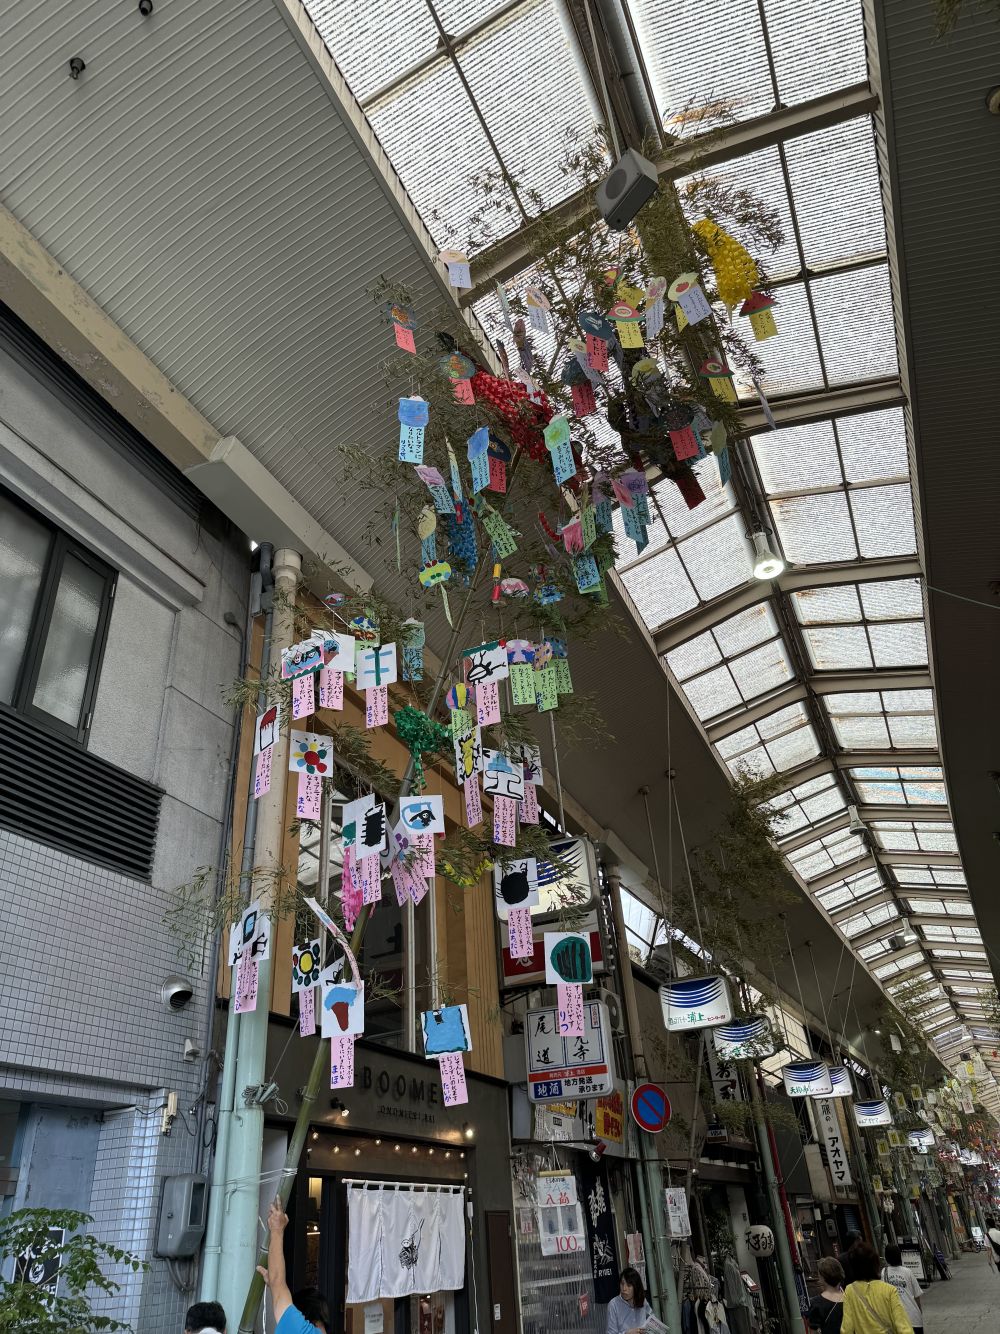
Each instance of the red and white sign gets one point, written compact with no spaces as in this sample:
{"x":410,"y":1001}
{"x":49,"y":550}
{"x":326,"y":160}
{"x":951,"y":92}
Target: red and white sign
{"x":530,"y":971}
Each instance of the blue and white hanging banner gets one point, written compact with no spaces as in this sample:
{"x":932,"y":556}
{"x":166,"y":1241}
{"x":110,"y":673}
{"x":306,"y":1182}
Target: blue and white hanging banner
{"x":695,"y":1002}
{"x":840,"y":1078}
{"x":748,"y":1039}
{"x":920,"y":1139}
{"x":868,"y":1114}
{"x":807,"y":1079}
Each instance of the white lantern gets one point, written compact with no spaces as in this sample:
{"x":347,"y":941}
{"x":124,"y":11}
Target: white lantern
{"x":760,"y":1241}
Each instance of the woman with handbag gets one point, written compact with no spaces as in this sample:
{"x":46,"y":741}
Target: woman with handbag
{"x":871,"y":1306}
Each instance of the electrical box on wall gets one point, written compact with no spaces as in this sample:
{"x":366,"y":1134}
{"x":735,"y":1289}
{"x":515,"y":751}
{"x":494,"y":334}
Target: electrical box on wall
{"x":183,"y":1212}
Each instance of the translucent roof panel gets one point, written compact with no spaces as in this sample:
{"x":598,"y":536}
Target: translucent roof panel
{"x":807,"y":803}
{"x":882,"y":719}
{"x":826,"y":853}
{"x":899,"y":785}
{"x":872,"y":917}
{"x":914,"y":835}
{"x":941,"y":907}
{"x":881,"y":600}
{"x":899,"y":965}
{"x":837,"y":224}
{"x":780,"y":741}
{"x":857,"y":333}
{"x":938,"y":932}
{"x":738,"y":660}
{"x":852,"y":889}
{"x":931,"y":877}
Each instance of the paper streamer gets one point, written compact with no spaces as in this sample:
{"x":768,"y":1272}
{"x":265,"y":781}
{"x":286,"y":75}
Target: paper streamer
{"x":376,"y":706}
{"x":519,"y":936}
{"x":331,"y":689}
{"x":342,"y":1062}
{"x":307,"y":801}
{"x":262,"y":777}
{"x":473,"y":802}
{"x":307,"y":1012}
{"x":453,"y":1085}
{"x":505,"y":821}
{"x":246,"y":984}
{"x":304,"y":696}
{"x":529,"y":806}
{"x":569,"y":998}
{"x":338,"y":936}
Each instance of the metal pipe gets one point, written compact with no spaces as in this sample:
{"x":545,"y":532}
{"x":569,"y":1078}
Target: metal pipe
{"x":213,"y":1232}
{"x":792,"y":1317}
{"x":631,"y":70}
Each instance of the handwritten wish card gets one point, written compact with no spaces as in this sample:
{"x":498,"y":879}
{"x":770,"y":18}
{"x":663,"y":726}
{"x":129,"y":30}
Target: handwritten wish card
{"x":303,"y":696}
{"x":262,"y":775}
{"x":331,"y":689}
{"x":569,"y":998}
{"x":307,"y":1012}
{"x":529,"y":806}
{"x":342,"y":1061}
{"x":246,"y":984}
{"x":307,"y":800}
{"x":453,"y":1085}
{"x":519,"y":935}
{"x":473,"y":802}
{"x":505,"y":821}
{"x":377,"y":706}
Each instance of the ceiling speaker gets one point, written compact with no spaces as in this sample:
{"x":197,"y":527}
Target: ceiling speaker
{"x":632,"y":181}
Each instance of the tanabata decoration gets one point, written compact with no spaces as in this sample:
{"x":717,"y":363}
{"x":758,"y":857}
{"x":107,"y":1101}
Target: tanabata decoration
{"x":599,"y":334}
{"x":457,"y":264}
{"x":460,"y":370}
{"x":677,"y":419}
{"x":300,"y":659}
{"x":365,"y":629}
{"x":759,"y":306}
{"x":627,"y":326}
{"x":720,"y":377}
{"x":499,"y":456}
{"x":307,"y":1013}
{"x":421,"y":736}
{"x":479,"y":460}
{"x":375,"y":666}
{"x":308,"y":797}
{"x":446,"y":1030}
{"x":557,"y":442}
{"x":522,"y":342}
{"x":422,"y":814}
{"x":736,"y":274}
{"x":415,"y":638}
{"x":403,"y":323}
{"x":303,"y":696}
{"x":685,"y":291}
{"x":266,"y":729}
{"x":305,"y":965}
{"x":310,"y":753}
{"x":435,"y":483}
{"x":501,"y":777}
{"x":655,"y":293}
{"x":538,"y":305}
{"x":526,"y":417}
{"x":414,"y":414}
{"x":515,"y":885}
{"x":567,"y":958}
{"x":262,"y":773}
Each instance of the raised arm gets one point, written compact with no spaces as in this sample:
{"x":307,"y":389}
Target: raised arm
{"x":277,"y":1221}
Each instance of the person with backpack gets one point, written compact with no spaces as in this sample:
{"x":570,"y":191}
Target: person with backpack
{"x":910,"y":1291}
{"x":827,"y":1310}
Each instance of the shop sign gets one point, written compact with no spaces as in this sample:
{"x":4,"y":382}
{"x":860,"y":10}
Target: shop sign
{"x":749,"y":1039}
{"x":560,"y":1230}
{"x":678,"y":1222}
{"x":836,"y":1152}
{"x":609,"y":1122}
{"x":840,"y":1078}
{"x":807,"y":1079}
{"x":530,"y":971}
{"x":554,"y":1189}
{"x":695,"y":1002}
{"x":600,"y":1229}
{"x":571,"y":884}
{"x":913,"y":1261}
{"x":725,"y":1077}
{"x":568,"y":1067}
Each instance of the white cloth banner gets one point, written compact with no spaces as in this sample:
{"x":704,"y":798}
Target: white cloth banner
{"x":404,"y":1241}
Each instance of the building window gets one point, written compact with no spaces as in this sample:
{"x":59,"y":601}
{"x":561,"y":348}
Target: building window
{"x":55,"y":603}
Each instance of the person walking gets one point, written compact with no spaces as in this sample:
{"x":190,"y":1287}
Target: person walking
{"x":854,"y":1239}
{"x":871,"y":1306}
{"x":629,"y":1311}
{"x":910,"y":1292}
{"x":827,"y":1310}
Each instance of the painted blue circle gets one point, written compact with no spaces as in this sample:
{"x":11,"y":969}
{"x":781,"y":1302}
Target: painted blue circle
{"x":650,"y":1108}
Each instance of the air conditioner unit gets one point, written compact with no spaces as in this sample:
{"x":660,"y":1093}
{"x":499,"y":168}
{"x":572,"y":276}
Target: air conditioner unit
{"x":614,"y":1006}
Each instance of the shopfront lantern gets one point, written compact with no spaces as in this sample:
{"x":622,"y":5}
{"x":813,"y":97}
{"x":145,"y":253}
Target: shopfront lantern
{"x":760,"y":1241}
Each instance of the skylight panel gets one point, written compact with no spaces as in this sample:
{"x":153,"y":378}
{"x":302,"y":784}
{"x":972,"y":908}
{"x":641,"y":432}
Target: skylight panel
{"x":837,"y":223}
{"x":779,"y":741}
{"x":817,"y":45}
{"x":914,"y":835}
{"x":808,"y":803}
{"x":873,"y":445}
{"x":856,"y":326}
{"x":815,"y":529}
{"x":826,"y":853}
{"x":899,"y":786}
{"x":751,"y":668}
{"x":660,"y":588}
{"x":899,"y":965}
{"x":852,"y":889}
{"x":939,"y":931}
{"x":878,"y":720}
{"x":865,"y":921}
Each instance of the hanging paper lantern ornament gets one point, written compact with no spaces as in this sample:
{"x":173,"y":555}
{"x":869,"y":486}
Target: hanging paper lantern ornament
{"x":403,"y":324}
{"x":627,"y":326}
{"x":685,"y":291}
{"x":437,"y":573}
{"x":459,"y":370}
{"x":421,"y":736}
{"x":527,"y":417}
{"x":759,"y":307}
{"x":736,"y":274}
{"x":655,"y":293}
{"x":677,"y":419}
{"x":457,"y":264}
{"x":463,"y":544}
{"x":538,"y":305}
{"x":414,"y":414}
{"x":720,"y":377}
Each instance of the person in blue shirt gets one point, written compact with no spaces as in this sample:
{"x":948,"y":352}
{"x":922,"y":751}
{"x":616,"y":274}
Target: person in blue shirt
{"x":308,"y":1310}
{"x":628,"y":1312}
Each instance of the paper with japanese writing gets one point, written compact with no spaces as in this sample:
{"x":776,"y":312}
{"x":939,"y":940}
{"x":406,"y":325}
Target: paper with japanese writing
{"x":303,"y":696}
{"x":453,"y":1085}
{"x":446,"y":1030}
{"x":561,"y":1068}
{"x":569,"y":1000}
{"x":529,"y":812}
{"x":307,"y":1013}
{"x":520,"y":941}
{"x":473,"y":802}
{"x":341,"y":1061}
{"x":331,"y":689}
{"x":245,"y":985}
{"x":308,"y":797}
{"x":505,"y":821}
{"x":262,"y":773}
{"x":376,"y":706}
{"x":836,"y":1150}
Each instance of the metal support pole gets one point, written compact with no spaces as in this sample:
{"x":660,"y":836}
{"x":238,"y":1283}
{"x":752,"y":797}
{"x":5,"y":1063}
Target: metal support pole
{"x":790,"y":1293}
{"x":865,"y":1192}
{"x":242,"y":1189}
{"x":650,"y":1174}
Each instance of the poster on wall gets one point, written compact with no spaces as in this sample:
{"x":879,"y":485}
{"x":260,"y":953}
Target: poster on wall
{"x":561,"y":1068}
{"x":678,"y":1222}
{"x":600,"y":1221}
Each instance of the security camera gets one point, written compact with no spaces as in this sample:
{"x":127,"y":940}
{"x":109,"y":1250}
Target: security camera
{"x":176,"y":992}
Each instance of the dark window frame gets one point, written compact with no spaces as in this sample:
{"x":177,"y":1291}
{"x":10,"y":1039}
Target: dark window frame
{"x":63,"y":545}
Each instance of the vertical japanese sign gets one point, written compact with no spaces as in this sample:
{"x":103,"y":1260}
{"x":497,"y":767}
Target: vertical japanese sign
{"x":836,"y":1152}
{"x":600,"y":1229}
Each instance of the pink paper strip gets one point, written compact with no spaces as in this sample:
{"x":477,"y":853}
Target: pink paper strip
{"x":262,"y":777}
{"x":529,"y":806}
{"x":331,"y":689}
{"x":569,"y":998}
{"x":404,"y":338}
{"x":376,"y":706}
{"x":487,"y":703}
{"x":304,"y":696}
{"x":417,"y":888}
{"x":424,"y":863}
{"x":400,"y":882}
{"x":453,"y":1085}
{"x":505,"y":821}
{"x":370,"y":875}
{"x":597,"y":353}
{"x":308,"y":799}
{"x":519,"y":935}
{"x":350,"y":888}
{"x":246,"y":984}
{"x":473,"y":802}
{"x":307,"y":1012}
{"x":685,"y":443}
{"x":464,"y":392}
{"x":342,"y":1062}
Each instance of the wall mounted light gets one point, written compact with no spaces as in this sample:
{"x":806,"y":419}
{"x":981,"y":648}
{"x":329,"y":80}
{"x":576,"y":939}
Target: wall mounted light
{"x":766,"y":565}
{"x":468,"y":1131}
{"x":145,"y":8}
{"x":76,"y":67}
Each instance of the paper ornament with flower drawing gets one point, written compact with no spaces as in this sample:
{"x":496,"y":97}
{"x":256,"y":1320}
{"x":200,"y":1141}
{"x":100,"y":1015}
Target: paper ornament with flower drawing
{"x":685,"y":291}
{"x":759,"y":307}
{"x":720,"y":377}
{"x":305,"y":966}
{"x":309,"y":753}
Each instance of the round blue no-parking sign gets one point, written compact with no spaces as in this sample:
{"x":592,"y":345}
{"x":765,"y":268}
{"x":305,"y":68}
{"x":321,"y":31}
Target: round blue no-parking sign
{"x":650,"y":1108}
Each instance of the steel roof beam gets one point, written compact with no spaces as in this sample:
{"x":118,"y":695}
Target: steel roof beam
{"x":512,"y":254}
{"x":881,"y":759}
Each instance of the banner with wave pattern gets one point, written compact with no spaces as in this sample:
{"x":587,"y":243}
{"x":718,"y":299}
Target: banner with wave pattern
{"x":695,"y":1002}
{"x":807,"y":1079}
{"x":746,"y":1039}
{"x":840,"y":1078}
{"x":872,"y":1114}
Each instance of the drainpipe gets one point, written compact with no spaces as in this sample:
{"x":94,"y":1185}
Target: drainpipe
{"x":213,"y":1233}
{"x":779,"y":1219}
{"x":240,"y":1207}
{"x":650,"y":1177}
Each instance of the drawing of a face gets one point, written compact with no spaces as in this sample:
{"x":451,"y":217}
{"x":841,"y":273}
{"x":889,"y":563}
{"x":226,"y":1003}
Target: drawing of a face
{"x":419,"y":817}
